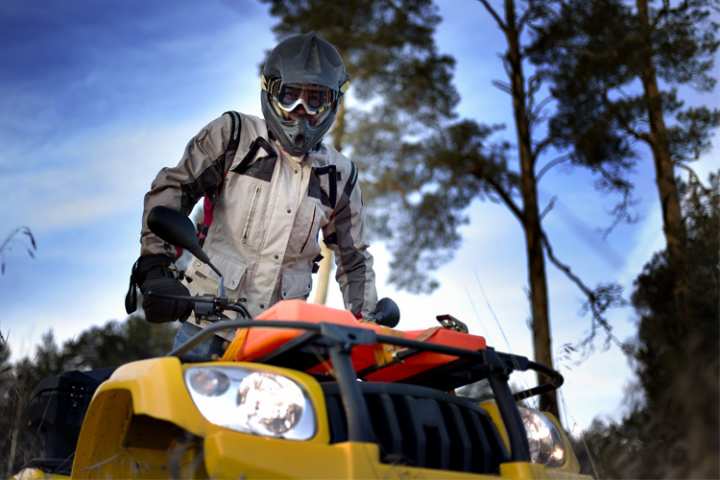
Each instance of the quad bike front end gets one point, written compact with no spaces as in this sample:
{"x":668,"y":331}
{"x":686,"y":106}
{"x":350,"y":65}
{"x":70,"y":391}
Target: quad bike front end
{"x":333,"y":399}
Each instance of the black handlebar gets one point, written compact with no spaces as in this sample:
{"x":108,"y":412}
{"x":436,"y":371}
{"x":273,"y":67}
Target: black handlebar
{"x":208,"y":307}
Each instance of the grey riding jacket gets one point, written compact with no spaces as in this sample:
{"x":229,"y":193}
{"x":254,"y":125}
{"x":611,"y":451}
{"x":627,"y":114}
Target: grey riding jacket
{"x":269,"y":208}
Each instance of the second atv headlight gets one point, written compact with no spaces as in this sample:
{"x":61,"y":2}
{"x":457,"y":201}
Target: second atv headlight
{"x":545,"y":442}
{"x":248,"y":401}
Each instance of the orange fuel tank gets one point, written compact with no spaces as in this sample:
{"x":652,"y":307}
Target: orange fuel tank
{"x":257,"y":343}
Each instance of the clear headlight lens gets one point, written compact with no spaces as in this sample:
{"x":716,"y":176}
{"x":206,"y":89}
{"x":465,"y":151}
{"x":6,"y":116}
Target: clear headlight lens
{"x":546,"y":444}
{"x":249,"y":401}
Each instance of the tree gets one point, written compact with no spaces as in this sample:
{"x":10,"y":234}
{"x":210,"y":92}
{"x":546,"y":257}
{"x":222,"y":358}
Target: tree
{"x":678,"y":351}
{"x":422,"y":167}
{"x":672,"y":429}
{"x":390,"y":54}
{"x":110,"y":345}
{"x":615,"y":69}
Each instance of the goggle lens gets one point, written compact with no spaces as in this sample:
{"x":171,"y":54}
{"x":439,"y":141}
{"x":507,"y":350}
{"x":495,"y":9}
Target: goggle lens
{"x":314,"y":98}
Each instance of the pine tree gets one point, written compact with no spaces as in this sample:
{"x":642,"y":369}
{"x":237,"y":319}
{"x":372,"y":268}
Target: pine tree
{"x":615,"y":69}
{"x":672,"y":429}
{"x":422,"y":167}
{"x":390,"y":54}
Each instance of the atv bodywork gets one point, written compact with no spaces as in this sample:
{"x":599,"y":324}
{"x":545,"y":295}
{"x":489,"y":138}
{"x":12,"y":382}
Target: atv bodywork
{"x":382,"y":401}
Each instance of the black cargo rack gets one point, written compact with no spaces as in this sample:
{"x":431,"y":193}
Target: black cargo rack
{"x":325,"y":340}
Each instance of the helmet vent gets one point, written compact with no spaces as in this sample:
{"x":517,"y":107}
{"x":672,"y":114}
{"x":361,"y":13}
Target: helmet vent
{"x":312,"y":62}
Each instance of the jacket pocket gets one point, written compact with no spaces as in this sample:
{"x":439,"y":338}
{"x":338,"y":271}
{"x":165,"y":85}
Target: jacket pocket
{"x":205,"y":281}
{"x":295,"y":285}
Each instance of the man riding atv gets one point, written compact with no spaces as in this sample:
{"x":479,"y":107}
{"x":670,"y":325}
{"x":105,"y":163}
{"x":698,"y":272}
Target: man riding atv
{"x":302,"y":390}
{"x":269,"y":186}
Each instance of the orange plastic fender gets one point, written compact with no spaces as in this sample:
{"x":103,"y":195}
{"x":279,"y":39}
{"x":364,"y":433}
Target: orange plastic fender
{"x":255,"y":343}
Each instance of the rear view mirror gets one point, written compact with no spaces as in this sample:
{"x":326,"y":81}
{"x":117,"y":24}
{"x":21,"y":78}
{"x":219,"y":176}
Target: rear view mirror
{"x":177,"y":229}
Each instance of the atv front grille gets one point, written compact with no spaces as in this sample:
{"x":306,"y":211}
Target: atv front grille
{"x":422,"y":427}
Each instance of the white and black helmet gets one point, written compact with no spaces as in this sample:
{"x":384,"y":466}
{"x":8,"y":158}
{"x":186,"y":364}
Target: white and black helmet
{"x":302,"y":71}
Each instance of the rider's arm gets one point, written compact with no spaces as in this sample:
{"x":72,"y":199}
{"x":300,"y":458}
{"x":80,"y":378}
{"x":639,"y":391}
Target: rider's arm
{"x":346,"y":236}
{"x":201,"y":170}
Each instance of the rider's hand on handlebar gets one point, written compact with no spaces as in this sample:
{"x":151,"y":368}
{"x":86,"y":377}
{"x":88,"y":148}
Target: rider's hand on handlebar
{"x":154,"y":275}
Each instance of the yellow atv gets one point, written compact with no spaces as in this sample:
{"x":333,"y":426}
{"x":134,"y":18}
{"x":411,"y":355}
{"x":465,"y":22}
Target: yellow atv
{"x":303,"y":391}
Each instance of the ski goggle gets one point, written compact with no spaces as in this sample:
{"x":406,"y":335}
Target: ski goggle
{"x":315,"y":99}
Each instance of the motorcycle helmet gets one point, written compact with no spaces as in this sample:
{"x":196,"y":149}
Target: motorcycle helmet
{"x":302,"y":81}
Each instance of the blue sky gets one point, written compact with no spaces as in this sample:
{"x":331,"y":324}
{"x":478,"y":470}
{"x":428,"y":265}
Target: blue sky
{"x":97,"y":97}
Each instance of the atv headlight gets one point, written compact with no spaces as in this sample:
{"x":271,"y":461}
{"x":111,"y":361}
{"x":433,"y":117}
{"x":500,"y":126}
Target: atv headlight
{"x":250,"y":401}
{"x":546,"y":444}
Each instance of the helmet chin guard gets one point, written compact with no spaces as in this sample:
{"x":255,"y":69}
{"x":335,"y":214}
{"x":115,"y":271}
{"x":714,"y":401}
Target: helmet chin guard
{"x":304,"y":59}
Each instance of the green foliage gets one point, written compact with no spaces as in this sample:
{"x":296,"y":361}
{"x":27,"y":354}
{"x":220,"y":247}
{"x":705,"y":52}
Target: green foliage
{"x":110,"y":345}
{"x":387,"y":46}
{"x":595,"y":53}
{"x":422,"y":188}
{"x":409,"y":99}
{"x":674,"y":431}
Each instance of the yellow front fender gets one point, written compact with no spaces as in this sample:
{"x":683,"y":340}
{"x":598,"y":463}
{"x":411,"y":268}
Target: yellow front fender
{"x":144,"y":412}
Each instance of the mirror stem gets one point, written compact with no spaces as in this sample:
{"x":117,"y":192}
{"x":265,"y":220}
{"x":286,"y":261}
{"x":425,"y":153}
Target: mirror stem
{"x":221,"y":286}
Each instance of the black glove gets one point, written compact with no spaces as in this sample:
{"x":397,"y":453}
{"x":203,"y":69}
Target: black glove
{"x":152,"y":274}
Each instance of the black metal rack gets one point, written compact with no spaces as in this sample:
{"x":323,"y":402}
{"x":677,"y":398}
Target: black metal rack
{"x":335,"y":342}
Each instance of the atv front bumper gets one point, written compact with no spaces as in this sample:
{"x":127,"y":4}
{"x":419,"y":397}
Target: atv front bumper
{"x":227,"y":455}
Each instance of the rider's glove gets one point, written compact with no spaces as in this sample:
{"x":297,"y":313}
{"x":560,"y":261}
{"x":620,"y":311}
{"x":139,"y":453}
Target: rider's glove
{"x":152,"y":274}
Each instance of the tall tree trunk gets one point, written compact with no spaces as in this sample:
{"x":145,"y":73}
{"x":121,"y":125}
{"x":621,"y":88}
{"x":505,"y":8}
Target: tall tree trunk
{"x":542,"y":343}
{"x":673,"y":225}
{"x":323,"y":279}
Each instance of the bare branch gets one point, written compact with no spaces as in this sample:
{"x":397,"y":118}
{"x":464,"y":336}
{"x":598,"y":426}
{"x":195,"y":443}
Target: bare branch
{"x":495,"y":15}
{"x":625,"y":124}
{"x":524,"y":18}
{"x":551,"y":164}
{"x":541,"y":106}
{"x":540,"y":146}
{"x":507,"y":199}
{"x":534,"y":84}
{"x":504,"y":195}
{"x":503,"y":86}
{"x":694,"y":178}
{"x":598,"y":301}
{"x":506,"y":65}
{"x":549,"y":207}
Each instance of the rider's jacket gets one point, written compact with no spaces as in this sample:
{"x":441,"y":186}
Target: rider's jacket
{"x":269,"y":208}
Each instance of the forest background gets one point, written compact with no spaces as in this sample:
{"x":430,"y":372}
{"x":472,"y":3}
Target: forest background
{"x":97,"y":100}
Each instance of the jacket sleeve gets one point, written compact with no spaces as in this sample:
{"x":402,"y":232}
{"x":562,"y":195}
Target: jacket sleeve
{"x":200,"y":171}
{"x":345,"y":235}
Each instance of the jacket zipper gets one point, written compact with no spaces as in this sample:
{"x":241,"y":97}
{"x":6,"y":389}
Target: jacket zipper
{"x":253,"y":204}
{"x":312,"y":222}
